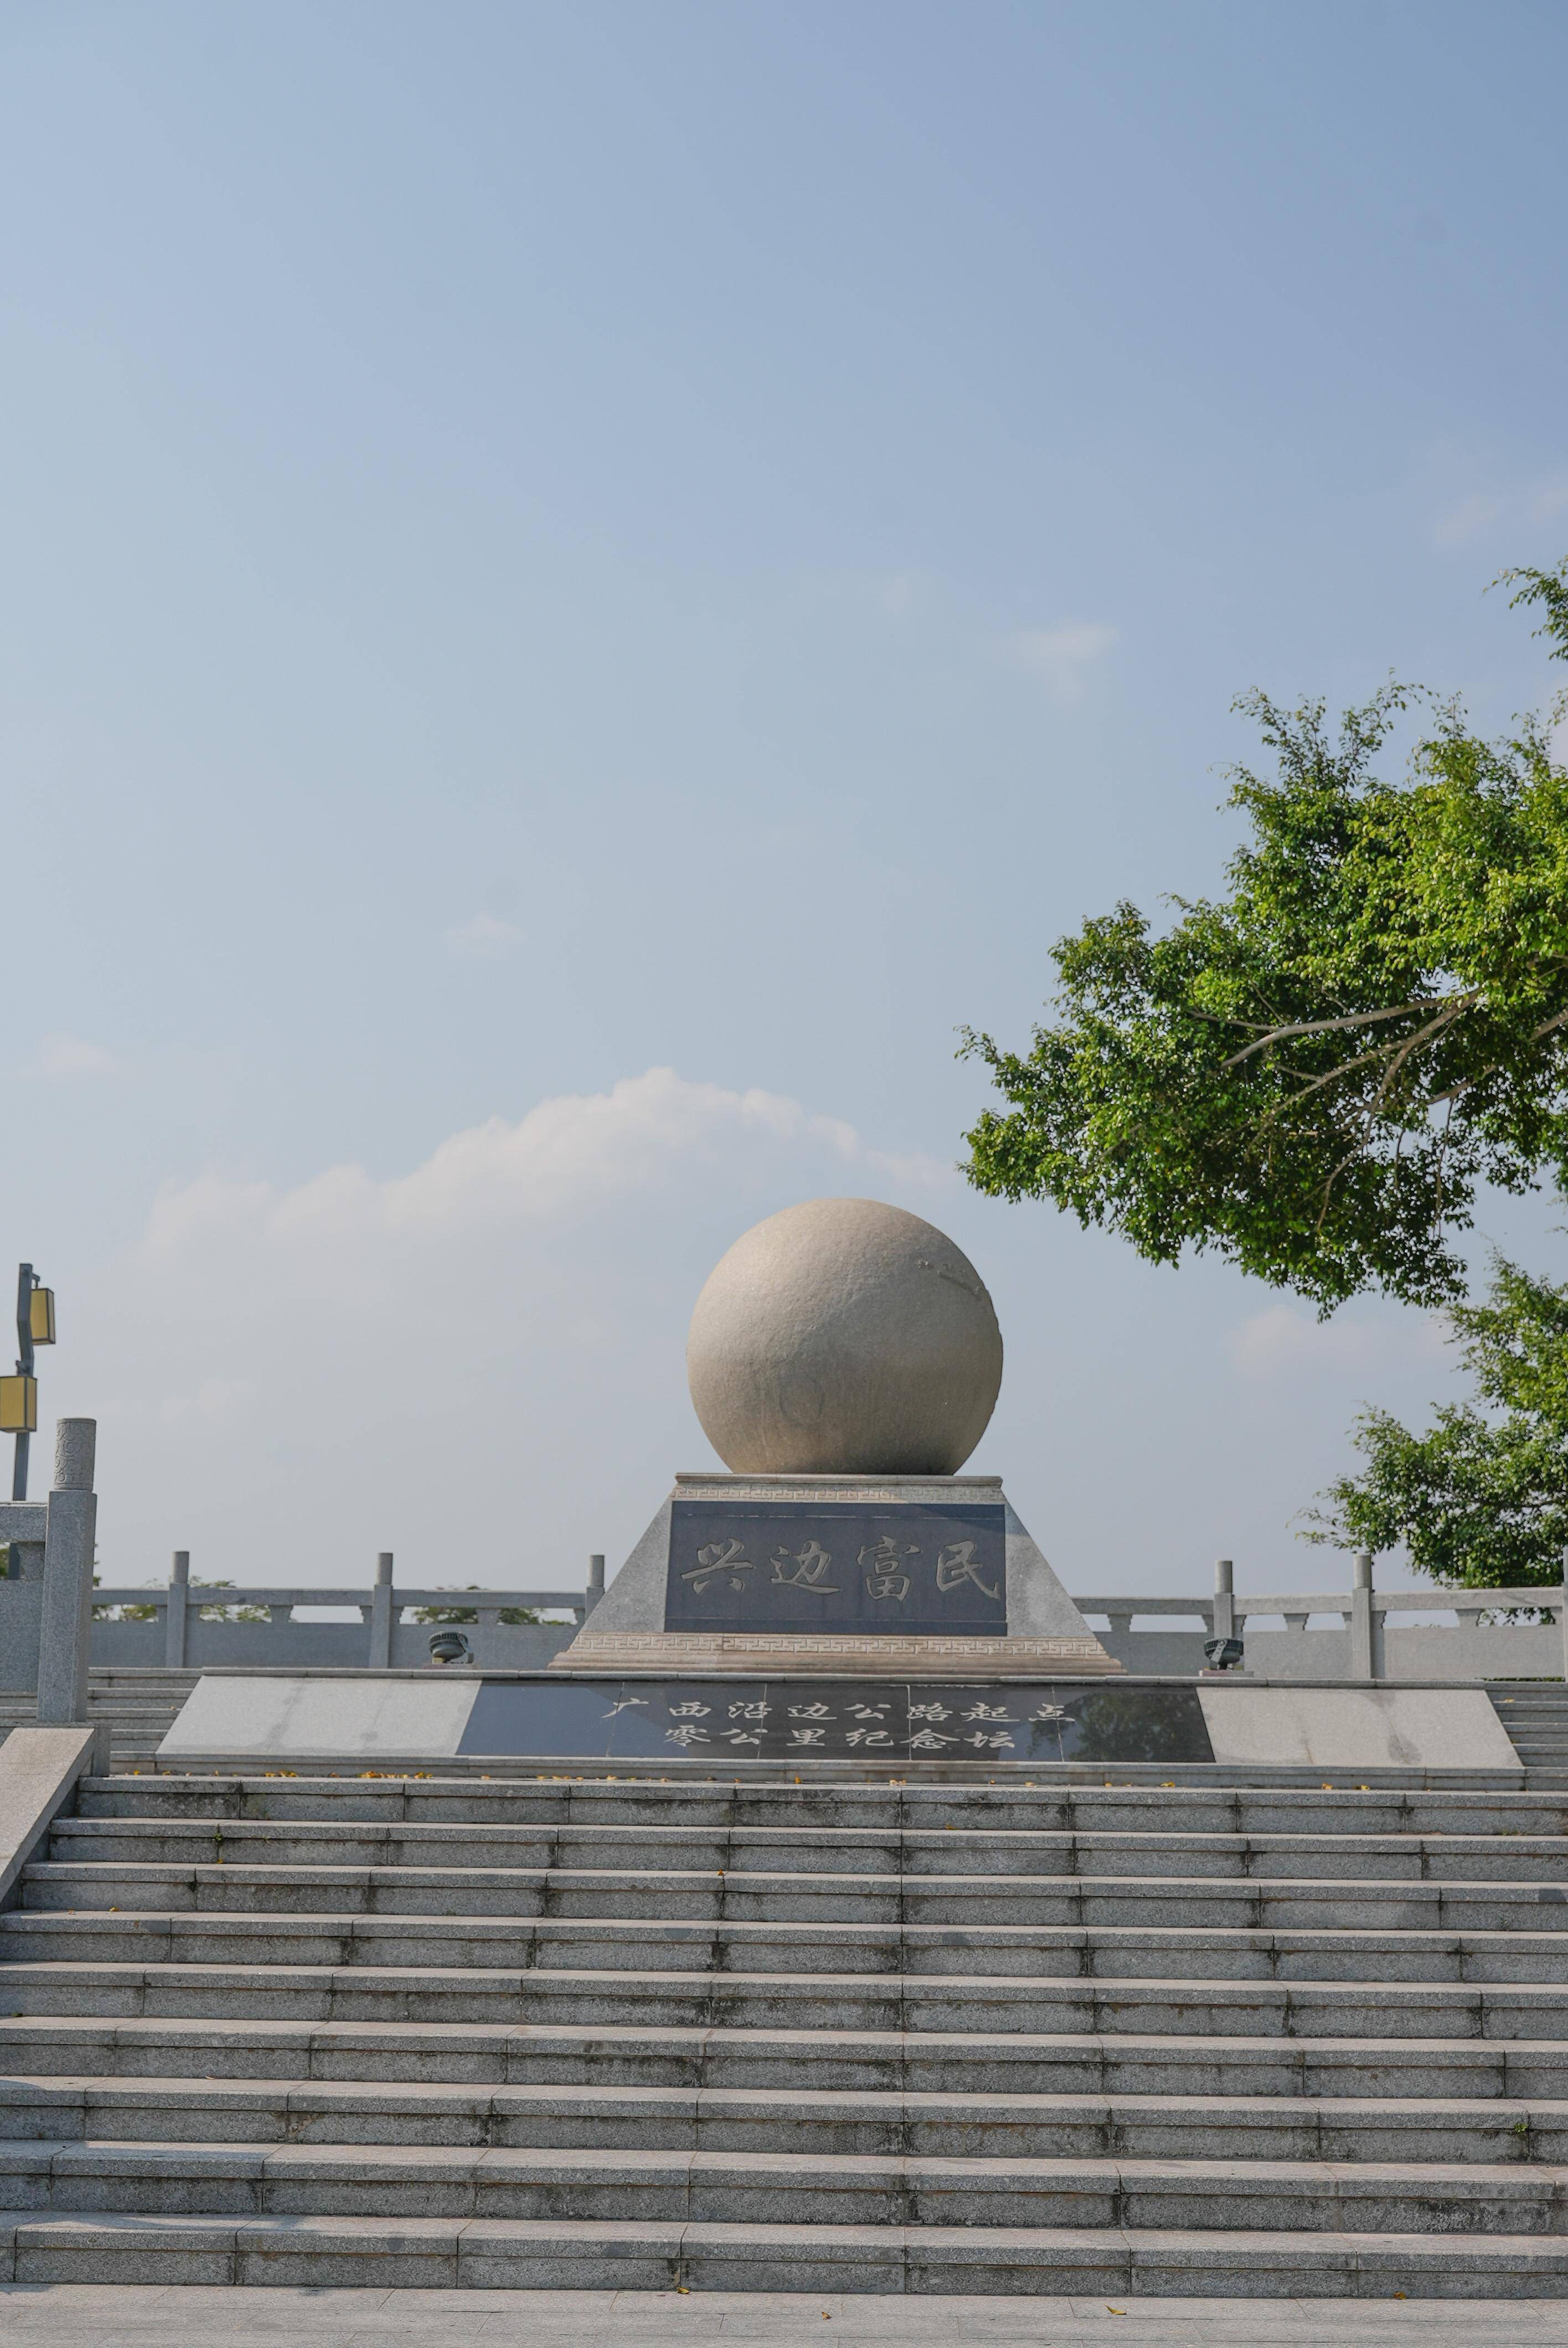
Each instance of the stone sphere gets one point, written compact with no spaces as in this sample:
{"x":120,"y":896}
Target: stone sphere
{"x":843,"y":1336}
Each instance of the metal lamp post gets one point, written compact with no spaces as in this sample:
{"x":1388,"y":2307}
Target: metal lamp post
{"x":19,"y":1395}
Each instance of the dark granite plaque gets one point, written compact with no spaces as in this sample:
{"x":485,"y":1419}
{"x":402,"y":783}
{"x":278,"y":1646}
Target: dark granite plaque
{"x":835,"y":1567}
{"x":740,"y":1719}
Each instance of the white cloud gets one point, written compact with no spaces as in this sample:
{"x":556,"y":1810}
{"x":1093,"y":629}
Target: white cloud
{"x":1518,"y":505}
{"x":1283,"y":1338}
{"x":897,"y":592}
{"x":1467,"y":520}
{"x":483,"y":937}
{"x":564,"y":1157}
{"x":881,"y":594}
{"x":68,"y":1055}
{"x":477,"y":1360}
{"x":1064,"y":656}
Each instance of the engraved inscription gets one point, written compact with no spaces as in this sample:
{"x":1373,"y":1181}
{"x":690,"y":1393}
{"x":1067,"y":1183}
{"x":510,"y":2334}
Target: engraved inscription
{"x":838,"y":1568}
{"x":709,"y":1723}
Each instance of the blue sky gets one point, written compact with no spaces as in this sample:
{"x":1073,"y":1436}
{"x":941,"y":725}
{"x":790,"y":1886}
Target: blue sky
{"x":545,"y":545}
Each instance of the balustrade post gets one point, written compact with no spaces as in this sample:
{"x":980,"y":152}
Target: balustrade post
{"x":1562,"y":1614}
{"x":175,"y":1615}
{"x":1225,"y":1598}
{"x":1364,"y":1657}
{"x":68,"y":1600}
{"x":595,"y":1591}
{"x":382,"y":1612}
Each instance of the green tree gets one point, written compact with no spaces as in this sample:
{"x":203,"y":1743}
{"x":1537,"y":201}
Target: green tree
{"x":1312,"y":1074}
{"x":207,"y":1613}
{"x":1480,"y":1501}
{"x":513,"y":1614}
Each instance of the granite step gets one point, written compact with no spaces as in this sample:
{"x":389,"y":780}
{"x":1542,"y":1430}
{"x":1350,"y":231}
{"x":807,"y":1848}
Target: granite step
{"x":1175,"y":1902}
{"x":137,"y":1727}
{"x":506,"y":1801}
{"x":319,"y":2253}
{"x":467,"y":1990}
{"x":1440,"y":2130}
{"x":775,"y":2062}
{"x":859,"y":1851}
{"x":225,"y":1932}
{"x":784,"y":2188}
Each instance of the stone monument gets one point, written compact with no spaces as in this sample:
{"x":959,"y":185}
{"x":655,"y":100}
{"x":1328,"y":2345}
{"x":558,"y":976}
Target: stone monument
{"x":843,"y":1360}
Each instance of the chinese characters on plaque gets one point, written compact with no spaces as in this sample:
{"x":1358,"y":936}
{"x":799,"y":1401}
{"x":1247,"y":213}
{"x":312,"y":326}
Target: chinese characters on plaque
{"x":801,"y":1566}
{"x":891,"y":1725}
{"x":718,"y":1721}
{"x":900,"y":1721}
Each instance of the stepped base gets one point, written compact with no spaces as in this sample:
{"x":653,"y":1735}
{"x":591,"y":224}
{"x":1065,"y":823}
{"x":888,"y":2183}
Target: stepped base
{"x":479,"y":2254}
{"x":892,"y":1575}
{"x":780,"y":1655}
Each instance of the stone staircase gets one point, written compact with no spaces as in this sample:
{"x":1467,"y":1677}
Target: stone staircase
{"x":1011,"y":2038}
{"x":138,"y":1704}
{"x":1535,"y":1714}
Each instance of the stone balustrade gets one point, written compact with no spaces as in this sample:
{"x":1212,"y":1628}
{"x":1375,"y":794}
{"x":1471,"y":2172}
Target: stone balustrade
{"x":1360,"y":1633}
{"x":193,"y":1625}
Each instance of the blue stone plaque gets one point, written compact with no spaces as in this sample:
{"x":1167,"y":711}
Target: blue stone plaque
{"x":714,"y":1720}
{"x":837,"y":1567}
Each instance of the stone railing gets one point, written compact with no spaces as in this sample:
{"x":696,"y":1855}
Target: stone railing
{"x":1361,"y":1634}
{"x":188,"y":1625}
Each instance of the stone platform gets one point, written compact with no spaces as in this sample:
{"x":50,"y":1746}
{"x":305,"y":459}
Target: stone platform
{"x":739,"y":1723}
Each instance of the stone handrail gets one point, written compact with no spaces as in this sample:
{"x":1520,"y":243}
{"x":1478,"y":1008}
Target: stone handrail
{"x":194,"y":1622}
{"x":1357,"y":1641}
{"x":281,"y":1598}
{"x":1335,"y":1601}
{"x":1328,"y":1634}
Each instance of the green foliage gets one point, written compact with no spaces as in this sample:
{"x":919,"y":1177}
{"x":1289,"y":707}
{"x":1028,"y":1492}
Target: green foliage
{"x":470,"y":1615}
{"x":1478,"y":1500}
{"x":1312,"y":1074}
{"x":207,"y":1613}
{"x":232,"y":1614}
{"x":122,"y":1613}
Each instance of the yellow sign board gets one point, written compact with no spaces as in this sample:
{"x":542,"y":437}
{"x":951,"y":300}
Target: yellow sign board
{"x":18,"y":1406}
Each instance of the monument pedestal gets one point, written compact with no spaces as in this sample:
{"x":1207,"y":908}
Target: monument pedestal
{"x":870,"y":1577}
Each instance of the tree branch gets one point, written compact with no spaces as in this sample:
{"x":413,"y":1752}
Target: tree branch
{"x":1376,"y":1052}
{"x":1433,"y":1028}
{"x":1559,"y":1019}
{"x":1351,"y":1019}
